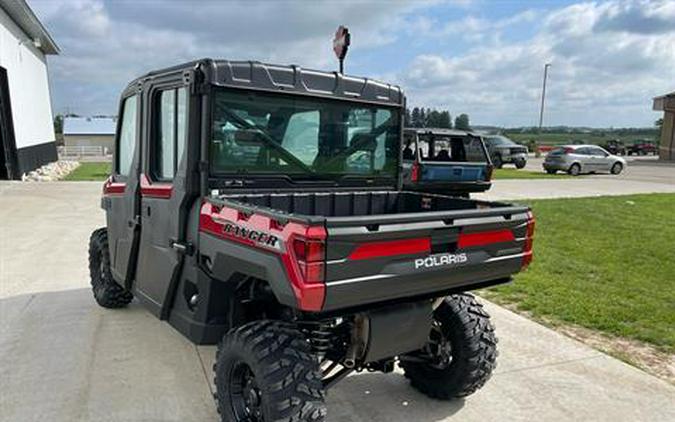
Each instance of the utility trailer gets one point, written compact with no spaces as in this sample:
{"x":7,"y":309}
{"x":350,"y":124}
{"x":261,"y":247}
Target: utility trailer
{"x":260,"y":208}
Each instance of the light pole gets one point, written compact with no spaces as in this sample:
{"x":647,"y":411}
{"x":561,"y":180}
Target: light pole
{"x":543,"y":96}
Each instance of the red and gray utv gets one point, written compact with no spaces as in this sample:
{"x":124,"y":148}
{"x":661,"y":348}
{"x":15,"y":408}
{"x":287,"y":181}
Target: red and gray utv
{"x":259,"y":207}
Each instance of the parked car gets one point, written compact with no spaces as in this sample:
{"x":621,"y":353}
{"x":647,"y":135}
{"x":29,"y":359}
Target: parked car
{"x":578,"y":159}
{"x":615,"y":147}
{"x":641,"y":147}
{"x":445,"y":161}
{"x":504,"y":151}
{"x":295,"y":250}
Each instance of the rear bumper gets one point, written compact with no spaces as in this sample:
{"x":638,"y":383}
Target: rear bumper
{"x":387,"y":287}
{"x":448,"y":187}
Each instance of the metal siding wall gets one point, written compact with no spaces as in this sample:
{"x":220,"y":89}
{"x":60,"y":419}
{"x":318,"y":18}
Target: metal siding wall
{"x":667,"y":145}
{"x":28,"y":85}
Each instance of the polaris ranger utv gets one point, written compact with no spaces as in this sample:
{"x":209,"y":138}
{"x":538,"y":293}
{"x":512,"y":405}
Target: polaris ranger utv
{"x":258,"y":207}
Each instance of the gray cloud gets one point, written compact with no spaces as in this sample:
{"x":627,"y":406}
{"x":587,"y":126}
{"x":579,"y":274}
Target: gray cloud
{"x":598,"y":78}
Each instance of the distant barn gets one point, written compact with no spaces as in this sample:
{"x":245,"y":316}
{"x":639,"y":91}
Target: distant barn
{"x":89,"y":132}
{"x":27,"y":138}
{"x":666,"y":104}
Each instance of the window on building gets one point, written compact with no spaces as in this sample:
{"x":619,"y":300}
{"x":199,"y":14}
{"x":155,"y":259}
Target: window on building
{"x":127,"y":136}
{"x":171,"y":132}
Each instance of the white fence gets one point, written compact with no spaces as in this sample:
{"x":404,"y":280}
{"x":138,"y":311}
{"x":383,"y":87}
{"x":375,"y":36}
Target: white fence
{"x":72,"y":151}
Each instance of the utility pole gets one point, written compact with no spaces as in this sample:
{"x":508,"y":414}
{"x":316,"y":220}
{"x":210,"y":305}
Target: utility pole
{"x":543,"y":96}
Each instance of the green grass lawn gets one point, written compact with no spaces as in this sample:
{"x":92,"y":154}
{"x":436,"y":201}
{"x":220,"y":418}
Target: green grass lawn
{"x":90,"y":171}
{"x":512,"y":173}
{"x":606,"y":264}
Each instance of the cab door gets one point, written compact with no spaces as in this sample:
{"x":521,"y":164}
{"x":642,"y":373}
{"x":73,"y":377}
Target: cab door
{"x":121,"y":190}
{"x":163,"y":192}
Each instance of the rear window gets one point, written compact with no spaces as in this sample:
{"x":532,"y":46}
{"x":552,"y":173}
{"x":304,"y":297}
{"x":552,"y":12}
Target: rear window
{"x":558,"y":151}
{"x":457,"y":149}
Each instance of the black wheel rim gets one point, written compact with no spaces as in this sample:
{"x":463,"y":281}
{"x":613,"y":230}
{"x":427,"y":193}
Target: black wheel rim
{"x":245,"y":395}
{"x":439,"y":348}
{"x":101,"y":276}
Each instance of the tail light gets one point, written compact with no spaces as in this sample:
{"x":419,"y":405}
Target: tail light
{"x":415,"y":172}
{"x":529,"y":238}
{"x":489,"y":172}
{"x":310,"y":253}
{"x":569,"y":150}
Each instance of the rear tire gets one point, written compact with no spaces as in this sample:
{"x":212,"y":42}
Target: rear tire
{"x":575,"y":170}
{"x":497,"y":162}
{"x":617,"y":168}
{"x":550,"y":171}
{"x":469,"y":339}
{"x":265,"y":371}
{"x":107,"y":292}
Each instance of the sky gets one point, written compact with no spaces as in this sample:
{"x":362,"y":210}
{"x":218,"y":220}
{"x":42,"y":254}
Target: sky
{"x":484,"y":58}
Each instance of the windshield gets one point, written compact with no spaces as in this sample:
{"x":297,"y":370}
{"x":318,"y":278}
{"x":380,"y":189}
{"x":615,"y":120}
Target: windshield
{"x":499,"y":140}
{"x":265,"y":133}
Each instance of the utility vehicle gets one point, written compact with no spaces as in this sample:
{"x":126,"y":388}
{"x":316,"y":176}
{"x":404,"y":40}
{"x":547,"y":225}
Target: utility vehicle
{"x":445,"y":161}
{"x":259,"y":207}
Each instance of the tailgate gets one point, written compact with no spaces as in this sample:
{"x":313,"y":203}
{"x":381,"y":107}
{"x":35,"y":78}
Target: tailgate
{"x":453,"y":172}
{"x":383,"y":258}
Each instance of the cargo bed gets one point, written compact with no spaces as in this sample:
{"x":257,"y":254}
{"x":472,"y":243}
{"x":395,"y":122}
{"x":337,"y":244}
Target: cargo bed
{"x":385,"y":245}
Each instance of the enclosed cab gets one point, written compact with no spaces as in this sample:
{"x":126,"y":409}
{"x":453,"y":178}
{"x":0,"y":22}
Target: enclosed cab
{"x":445,"y":161}
{"x":259,"y":207}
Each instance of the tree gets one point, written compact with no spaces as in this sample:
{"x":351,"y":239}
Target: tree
{"x":444,"y":120}
{"x":407,"y":118}
{"x":415,"y":117}
{"x":423,"y":118}
{"x":433,"y":118}
{"x":462,"y":122}
{"x":58,"y":124}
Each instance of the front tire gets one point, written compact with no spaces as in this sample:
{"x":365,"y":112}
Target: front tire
{"x":107,"y":292}
{"x":617,"y":168}
{"x":520,"y":164}
{"x":461,"y":353}
{"x":265,"y":372}
{"x":497,"y":162}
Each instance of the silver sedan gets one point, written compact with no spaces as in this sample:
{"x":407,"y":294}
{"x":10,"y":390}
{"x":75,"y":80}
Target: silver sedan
{"x":577,"y":159}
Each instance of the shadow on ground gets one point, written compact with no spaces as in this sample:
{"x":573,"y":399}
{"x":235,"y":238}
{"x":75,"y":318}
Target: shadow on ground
{"x":64,"y":358}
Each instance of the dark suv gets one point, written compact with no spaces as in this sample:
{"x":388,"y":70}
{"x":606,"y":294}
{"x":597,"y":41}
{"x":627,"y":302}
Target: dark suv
{"x":258,"y":207}
{"x":505,"y":151}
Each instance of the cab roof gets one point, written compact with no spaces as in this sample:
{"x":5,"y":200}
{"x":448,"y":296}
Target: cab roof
{"x":439,"y":131}
{"x":291,"y":79}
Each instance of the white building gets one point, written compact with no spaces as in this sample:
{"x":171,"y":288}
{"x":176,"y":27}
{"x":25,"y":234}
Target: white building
{"x":27,"y":138}
{"x":96,"y":132}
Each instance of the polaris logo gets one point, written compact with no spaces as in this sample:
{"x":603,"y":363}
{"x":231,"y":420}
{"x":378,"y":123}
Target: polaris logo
{"x":440,"y":260}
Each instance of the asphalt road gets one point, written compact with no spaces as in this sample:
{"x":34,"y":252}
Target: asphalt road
{"x":643,"y":175}
{"x":62,"y":358}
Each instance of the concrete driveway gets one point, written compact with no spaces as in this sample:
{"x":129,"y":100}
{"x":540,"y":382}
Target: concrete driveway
{"x":62,"y":358}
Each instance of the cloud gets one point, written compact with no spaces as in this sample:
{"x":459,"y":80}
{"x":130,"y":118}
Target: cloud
{"x":106,"y":44}
{"x":609,"y":58}
{"x":599,"y":77}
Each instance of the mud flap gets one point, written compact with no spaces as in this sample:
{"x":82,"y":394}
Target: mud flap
{"x":398,"y":329}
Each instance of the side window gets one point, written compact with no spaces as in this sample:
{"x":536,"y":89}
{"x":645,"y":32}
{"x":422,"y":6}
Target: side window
{"x":126,"y":143}
{"x":171,"y":132}
{"x":409,"y":146}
